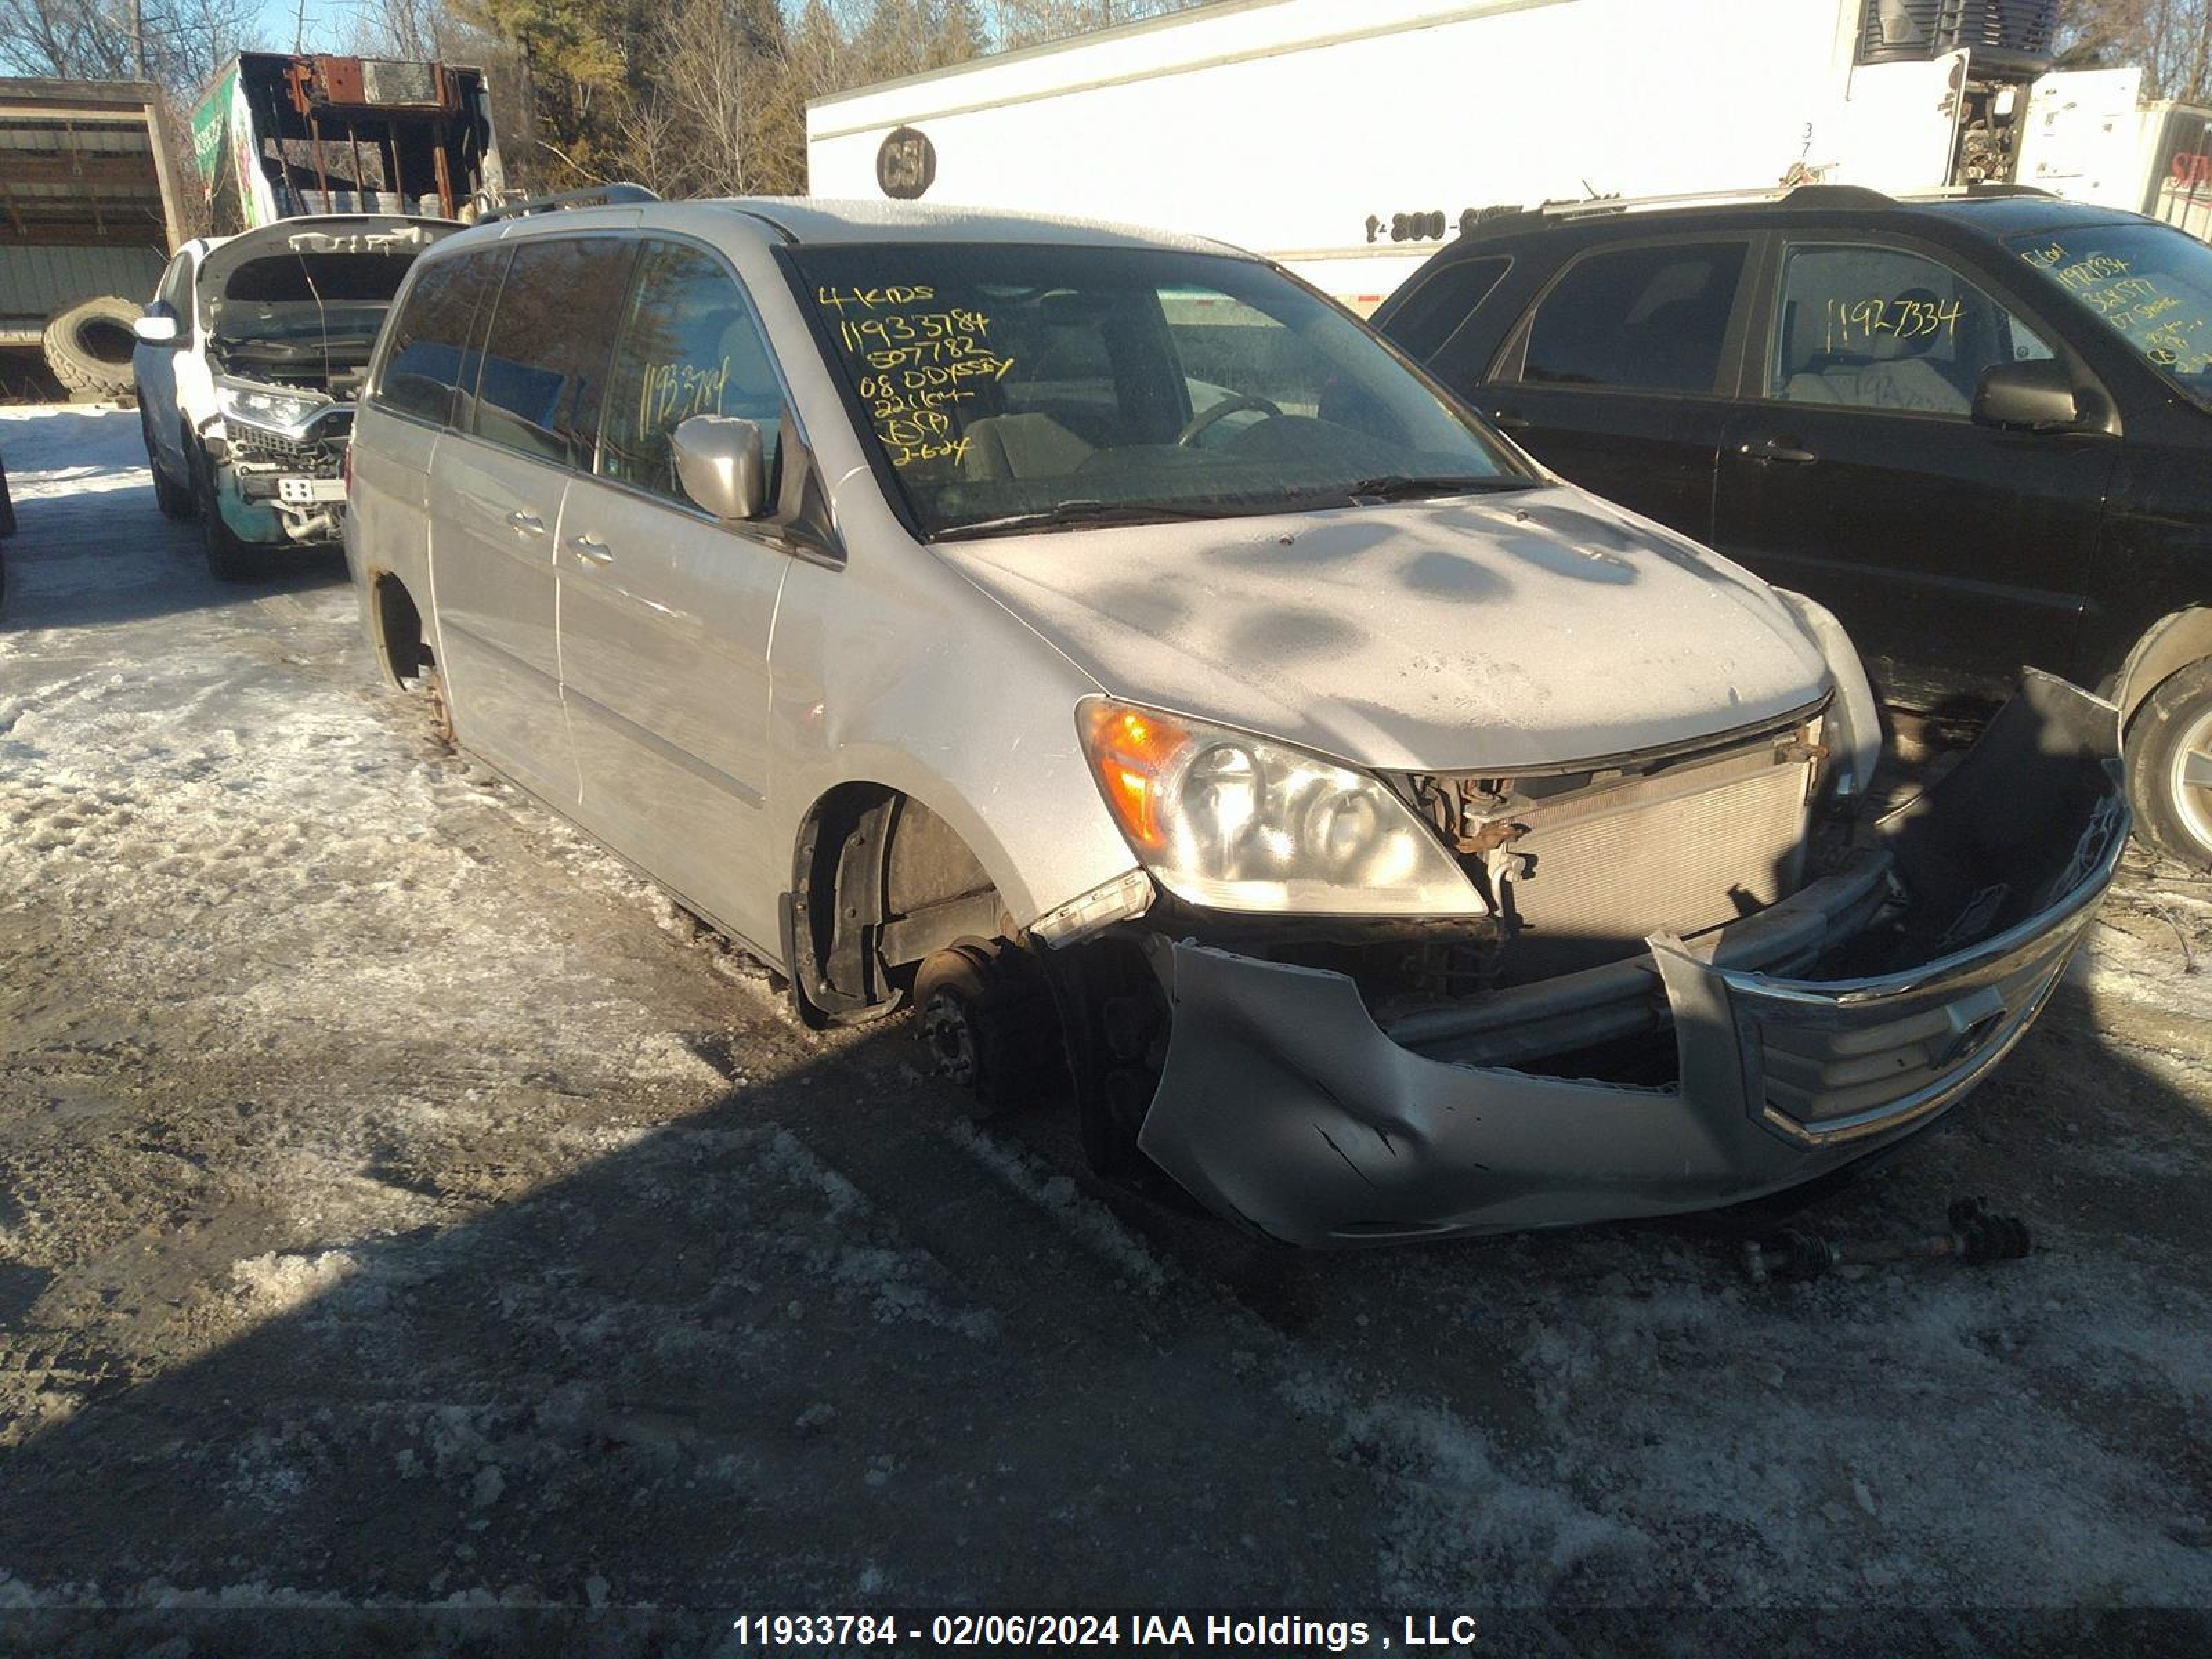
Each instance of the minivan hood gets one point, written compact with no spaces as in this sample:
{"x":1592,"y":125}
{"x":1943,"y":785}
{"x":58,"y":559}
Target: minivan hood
{"x":1504,"y":633}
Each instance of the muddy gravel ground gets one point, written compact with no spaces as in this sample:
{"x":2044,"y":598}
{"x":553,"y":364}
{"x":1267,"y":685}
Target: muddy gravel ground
{"x":415,"y":1233}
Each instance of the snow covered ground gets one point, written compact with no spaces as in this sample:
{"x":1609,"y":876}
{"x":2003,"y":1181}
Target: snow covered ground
{"x":402,"y":1207}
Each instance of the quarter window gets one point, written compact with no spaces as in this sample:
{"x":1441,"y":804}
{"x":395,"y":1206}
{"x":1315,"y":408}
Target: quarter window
{"x":1638,"y":318}
{"x":545,"y":359}
{"x":690,"y":345}
{"x":430,"y":354}
{"x":1432,"y":312}
{"x":1868,"y":327}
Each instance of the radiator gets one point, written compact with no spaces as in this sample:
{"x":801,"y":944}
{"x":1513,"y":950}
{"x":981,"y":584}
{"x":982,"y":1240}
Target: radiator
{"x":1679,"y":852}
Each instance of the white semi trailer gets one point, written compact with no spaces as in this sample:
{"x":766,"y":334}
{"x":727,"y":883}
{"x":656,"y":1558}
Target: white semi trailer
{"x":1347,"y":137}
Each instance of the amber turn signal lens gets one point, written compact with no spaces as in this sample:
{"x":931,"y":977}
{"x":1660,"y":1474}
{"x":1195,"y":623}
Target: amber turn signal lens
{"x":1132,"y":748}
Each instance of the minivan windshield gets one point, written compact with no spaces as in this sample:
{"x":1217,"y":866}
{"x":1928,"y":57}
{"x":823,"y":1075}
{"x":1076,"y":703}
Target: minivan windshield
{"x":1015,"y":387}
{"x":2150,"y":285}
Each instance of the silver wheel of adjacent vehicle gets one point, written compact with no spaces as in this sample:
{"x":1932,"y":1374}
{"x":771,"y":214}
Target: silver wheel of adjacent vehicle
{"x":2190,"y":780}
{"x":2169,"y":751}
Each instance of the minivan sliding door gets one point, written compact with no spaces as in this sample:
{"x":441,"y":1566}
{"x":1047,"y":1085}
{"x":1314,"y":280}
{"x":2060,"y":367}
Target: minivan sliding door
{"x":666,"y":612}
{"x":529,"y":418}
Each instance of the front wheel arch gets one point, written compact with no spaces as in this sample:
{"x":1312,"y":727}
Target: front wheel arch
{"x":879,"y":881}
{"x":2172,"y":643}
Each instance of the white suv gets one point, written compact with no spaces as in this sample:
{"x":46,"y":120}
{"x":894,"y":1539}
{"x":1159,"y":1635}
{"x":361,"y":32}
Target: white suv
{"x":1111,"y":649}
{"x":248,"y":358}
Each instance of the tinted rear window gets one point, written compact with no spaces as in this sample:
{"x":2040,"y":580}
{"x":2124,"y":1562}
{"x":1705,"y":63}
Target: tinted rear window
{"x":1440,"y":301}
{"x":545,"y":359}
{"x":1647,"y":318}
{"x":429,"y":354}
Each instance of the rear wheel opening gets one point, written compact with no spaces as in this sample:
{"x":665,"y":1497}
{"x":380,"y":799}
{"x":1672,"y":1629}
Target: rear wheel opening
{"x":407,"y":657}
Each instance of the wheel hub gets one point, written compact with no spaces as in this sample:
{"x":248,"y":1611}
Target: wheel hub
{"x":950,"y":1035}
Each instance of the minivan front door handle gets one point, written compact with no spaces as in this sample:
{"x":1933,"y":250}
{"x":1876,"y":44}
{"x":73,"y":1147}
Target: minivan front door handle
{"x":1773,"y":449}
{"x":1506,"y":420}
{"x":528,"y":523}
{"x":591,"y":549}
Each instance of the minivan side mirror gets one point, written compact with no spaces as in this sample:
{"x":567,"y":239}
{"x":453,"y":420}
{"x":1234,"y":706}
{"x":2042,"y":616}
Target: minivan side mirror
{"x":2033,"y":397}
{"x":158,"y":326}
{"x":722,"y":465}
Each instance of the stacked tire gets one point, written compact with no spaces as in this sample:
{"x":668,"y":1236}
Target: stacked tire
{"x":89,"y":347}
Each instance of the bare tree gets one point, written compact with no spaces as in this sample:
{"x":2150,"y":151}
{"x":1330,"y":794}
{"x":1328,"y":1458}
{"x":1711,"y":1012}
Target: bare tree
{"x":708,"y":97}
{"x":1029,"y":22}
{"x":415,"y":29}
{"x":178,"y":43}
{"x":713,"y":117}
{"x":2170,"y":40}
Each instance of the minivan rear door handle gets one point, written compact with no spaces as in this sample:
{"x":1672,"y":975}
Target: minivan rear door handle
{"x":591,"y":549}
{"x":528,"y":523}
{"x":1774,"y":449}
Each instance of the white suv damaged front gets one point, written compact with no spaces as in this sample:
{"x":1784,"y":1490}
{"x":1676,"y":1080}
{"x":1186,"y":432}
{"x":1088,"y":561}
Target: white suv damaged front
{"x":283,"y":448}
{"x":292,"y":313}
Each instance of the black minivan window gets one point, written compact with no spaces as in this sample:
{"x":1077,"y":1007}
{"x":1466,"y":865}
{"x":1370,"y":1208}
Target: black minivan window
{"x":1866,"y":326}
{"x":429,"y":354}
{"x":1432,"y":312}
{"x":689,"y":346}
{"x":545,"y":359}
{"x":1638,"y":319}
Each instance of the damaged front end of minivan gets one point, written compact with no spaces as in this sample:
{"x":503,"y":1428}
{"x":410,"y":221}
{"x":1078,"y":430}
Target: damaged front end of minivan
{"x":1700,"y":978}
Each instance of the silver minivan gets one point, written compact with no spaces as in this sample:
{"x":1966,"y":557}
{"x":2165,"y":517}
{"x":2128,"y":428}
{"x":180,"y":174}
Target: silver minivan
{"x":1109,"y":648}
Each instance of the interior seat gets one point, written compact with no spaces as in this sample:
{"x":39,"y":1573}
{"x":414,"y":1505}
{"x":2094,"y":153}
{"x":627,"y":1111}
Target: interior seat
{"x":1894,"y":377}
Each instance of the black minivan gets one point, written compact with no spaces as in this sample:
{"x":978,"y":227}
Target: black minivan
{"x":1977,"y":427}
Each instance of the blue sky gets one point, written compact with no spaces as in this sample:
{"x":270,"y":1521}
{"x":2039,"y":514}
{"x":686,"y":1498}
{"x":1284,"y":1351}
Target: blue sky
{"x":328,"y":22}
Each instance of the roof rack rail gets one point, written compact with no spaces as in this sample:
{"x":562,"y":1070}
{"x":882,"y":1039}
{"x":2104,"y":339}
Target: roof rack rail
{"x":590,"y":196}
{"x":1977,"y":192}
{"x":1805,"y":195}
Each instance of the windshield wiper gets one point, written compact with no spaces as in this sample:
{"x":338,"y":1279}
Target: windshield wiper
{"x":1409,"y":487}
{"x":1083,"y":515}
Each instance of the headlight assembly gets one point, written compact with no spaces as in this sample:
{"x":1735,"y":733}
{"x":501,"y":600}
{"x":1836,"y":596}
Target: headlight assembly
{"x":267,"y":407}
{"x":1233,"y":821}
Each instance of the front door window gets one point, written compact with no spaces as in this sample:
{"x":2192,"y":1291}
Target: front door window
{"x":1864,"y":327}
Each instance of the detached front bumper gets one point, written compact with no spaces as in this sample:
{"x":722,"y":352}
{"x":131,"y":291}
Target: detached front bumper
{"x":1807,"y":1036}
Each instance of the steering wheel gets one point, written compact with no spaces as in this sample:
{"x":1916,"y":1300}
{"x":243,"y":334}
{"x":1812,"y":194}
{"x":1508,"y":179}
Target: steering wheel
{"x":1235,"y":402}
